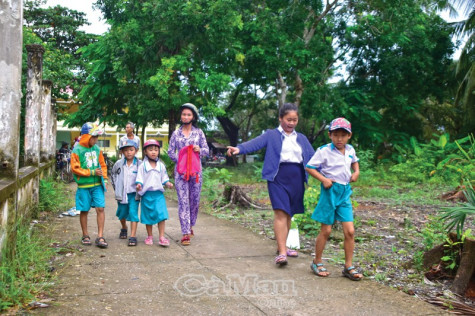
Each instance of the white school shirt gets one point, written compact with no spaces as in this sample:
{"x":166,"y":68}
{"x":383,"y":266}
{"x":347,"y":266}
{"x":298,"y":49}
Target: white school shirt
{"x":152,"y":179}
{"x":332,"y":164}
{"x":130,"y":175}
{"x":291,"y":150}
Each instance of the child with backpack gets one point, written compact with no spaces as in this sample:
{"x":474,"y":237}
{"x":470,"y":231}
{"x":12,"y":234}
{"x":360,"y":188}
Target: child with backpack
{"x":190,"y":143}
{"x":123,"y":178}
{"x":151,"y":180}
{"x":90,"y":173}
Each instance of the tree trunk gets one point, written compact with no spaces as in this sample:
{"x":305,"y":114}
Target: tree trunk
{"x":466,"y":269}
{"x":142,"y":139}
{"x":171,"y":122}
{"x":232,"y":131}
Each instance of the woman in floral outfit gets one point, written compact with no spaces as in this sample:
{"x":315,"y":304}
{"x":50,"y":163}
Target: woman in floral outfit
{"x":188,"y":191}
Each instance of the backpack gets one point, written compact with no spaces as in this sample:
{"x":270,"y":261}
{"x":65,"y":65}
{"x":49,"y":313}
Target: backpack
{"x":189,"y":163}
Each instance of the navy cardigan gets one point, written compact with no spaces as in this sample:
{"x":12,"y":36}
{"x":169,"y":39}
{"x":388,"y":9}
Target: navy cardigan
{"x":273,"y":139}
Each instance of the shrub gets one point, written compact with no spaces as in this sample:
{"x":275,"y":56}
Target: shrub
{"x":53,"y":196}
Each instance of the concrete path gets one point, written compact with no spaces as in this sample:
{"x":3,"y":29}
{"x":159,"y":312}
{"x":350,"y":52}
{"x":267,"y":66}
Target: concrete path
{"x":226,"y":270}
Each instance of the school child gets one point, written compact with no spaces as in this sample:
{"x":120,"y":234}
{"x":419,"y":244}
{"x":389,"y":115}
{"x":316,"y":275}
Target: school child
{"x":123,"y":177}
{"x":90,"y":173}
{"x":331,"y":165}
{"x":151,"y":178}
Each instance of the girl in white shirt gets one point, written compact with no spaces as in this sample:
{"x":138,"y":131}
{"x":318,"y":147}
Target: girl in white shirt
{"x":152,"y":177}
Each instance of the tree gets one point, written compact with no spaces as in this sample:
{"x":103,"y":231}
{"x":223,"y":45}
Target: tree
{"x":58,"y":30}
{"x":465,"y":70}
{"x":391,"y":73}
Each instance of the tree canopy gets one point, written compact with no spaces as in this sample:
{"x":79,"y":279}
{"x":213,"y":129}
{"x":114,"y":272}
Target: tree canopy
{"x":240,"y":60}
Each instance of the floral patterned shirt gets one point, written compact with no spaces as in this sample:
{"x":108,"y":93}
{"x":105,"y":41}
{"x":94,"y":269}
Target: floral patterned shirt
{"x":178,"y":141}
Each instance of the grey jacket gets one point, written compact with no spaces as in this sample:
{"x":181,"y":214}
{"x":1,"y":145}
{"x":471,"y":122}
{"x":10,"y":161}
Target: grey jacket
{"x":117,"y":176}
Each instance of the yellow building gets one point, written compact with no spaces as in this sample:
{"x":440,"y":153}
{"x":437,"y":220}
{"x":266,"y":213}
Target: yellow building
{"x":109,"y":141}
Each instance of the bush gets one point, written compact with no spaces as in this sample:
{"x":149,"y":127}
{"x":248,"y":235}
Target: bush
{"x":54,"y":196}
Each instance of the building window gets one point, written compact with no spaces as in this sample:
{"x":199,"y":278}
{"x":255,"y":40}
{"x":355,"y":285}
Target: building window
{"x":103,"y":143}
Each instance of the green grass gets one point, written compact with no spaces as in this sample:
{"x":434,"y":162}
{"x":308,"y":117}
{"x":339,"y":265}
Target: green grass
{"x":28,"y":273}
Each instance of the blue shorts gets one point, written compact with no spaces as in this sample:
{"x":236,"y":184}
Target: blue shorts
{"x":334,"y":205}
{"x":129,"y":211}
{"x":87,"y":197}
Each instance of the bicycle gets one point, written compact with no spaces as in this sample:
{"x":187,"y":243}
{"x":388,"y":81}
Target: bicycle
{"x":63,"y":165}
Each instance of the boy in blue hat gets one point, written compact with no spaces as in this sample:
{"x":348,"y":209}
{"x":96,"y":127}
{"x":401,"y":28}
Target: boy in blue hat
{"x":331,"y":165}
{"x":123,"y":176}
{"x":90,"y":173}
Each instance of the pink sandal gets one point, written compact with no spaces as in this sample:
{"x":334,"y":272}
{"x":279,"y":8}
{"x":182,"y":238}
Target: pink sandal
{"x":149,"y":240}
{"x":281,"y":260}
{"x":162,"y":241}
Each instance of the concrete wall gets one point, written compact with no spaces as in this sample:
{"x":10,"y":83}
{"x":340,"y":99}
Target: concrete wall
{"x":19,"y":188}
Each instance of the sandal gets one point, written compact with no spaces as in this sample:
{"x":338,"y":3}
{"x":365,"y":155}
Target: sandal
{"x":350,"y":273}
{"x":149,"y":240}
{"x":162,"y":241}
{"x":86,"y":240}
{"x":290,"y":253}
{"x":132,"y":241}
{"x":281,"y":260}
{"x":101,"y":242}
{"x":123,"y":233}
{"x":318,"y":269}
{"x":185,"y":241}
{"x":192,"y":234}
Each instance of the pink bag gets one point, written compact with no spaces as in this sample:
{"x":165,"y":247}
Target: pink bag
{"x":189,"y":163}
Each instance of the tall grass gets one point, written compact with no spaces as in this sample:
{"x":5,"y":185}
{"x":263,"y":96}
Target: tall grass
{"x":27,"y":273}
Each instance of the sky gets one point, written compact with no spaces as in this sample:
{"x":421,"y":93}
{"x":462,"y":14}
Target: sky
{"x":99,"y":27}
{"x":93,"y":16}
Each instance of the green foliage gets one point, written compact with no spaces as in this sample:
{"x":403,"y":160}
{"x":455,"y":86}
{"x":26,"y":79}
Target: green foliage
{"x":304,"y":221}
{"x":27,"y":274}
{"x":169,"y":164}
{"x":440,"y":160}
{"x":452,"y":251}
{"x":455,"y":216}
{"x":223,"y":175}
{"x":432,"y":234}
{"x":54,"y":196}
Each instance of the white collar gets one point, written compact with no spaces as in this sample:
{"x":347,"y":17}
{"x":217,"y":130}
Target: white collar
{"x":284,"y":133}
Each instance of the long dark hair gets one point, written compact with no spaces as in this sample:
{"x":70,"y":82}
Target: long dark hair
{"x":286,"y":108}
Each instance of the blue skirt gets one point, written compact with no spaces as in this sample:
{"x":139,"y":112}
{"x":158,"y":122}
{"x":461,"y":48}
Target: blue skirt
{"x":153,"y":208}
{"x":287,"y":190}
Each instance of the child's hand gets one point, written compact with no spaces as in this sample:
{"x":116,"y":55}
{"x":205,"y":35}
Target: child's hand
{"x":196,"y":148}
{"x":232,"y":151}
{"x":354,"y":176}
{"x":169,"y":185}
{"x":327,"y":183}
{"x":139,"y":187}
{"x":98,"y":172}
